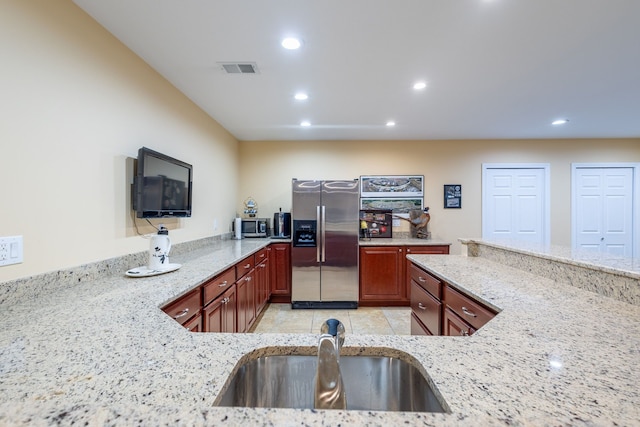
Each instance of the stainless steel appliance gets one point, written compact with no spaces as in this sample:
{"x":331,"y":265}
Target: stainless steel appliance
{"x":254,"y":227}
{"x":281,"y":225}
{"x":324,"y":253}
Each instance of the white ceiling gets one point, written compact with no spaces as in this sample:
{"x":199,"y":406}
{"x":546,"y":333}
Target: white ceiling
{"x":494,"y":68}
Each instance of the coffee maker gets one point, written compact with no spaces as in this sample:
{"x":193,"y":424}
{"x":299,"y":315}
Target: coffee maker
{"x":281,"y":225}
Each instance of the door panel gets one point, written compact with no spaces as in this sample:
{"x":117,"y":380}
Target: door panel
{"x":515,"y":203}
{"x":603,"y":216}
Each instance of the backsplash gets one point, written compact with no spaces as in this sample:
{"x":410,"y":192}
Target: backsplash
{"x":32,"y":286}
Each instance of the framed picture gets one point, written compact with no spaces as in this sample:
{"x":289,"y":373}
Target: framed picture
{"x":399,"y":206}
{"x":452,"y":196}
{"x":392,"y":186}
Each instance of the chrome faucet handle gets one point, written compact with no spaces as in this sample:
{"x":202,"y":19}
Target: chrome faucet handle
{"x":335,"y":328}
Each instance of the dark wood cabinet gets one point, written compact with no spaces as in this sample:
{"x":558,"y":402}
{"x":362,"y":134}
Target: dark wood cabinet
{"x":220,"y":314}
{"x":384,"y":273}
{"x":246,"y":301}
{"x":262,"y":275}
{"x":463,"y":315}
{"x":437,"y":308}
{"x":381,"y":274}
{"x":233,"y":299}
{"x":280,"y":271}
{"x":185,"y":308}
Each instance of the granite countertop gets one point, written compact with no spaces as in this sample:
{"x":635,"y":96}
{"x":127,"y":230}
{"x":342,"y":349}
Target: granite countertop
{"x":104,"y":353}
{"x":602,"y":261}
{"x":402,"y":241}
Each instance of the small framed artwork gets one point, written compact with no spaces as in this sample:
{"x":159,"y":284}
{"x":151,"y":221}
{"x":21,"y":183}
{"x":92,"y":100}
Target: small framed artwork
{"x":452,"y":196}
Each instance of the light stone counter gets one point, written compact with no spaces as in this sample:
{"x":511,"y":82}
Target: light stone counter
{"x":402,"y":241}
{"x":101,"y":352}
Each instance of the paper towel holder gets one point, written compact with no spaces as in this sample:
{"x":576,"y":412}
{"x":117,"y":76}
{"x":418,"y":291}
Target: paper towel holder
{"x":237,"y":229}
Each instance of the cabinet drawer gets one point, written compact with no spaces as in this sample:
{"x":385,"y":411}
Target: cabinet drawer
{"x":469,"y":310}
{"x":426,"y":308}
{"x":427,"y":281}
{"x":245,"y":266}
{"x":432,"y":249}
{"x":218,"y":285}
{"x":261,"y":255}
{"x":184,"y":308}
{"x":417,"y":328}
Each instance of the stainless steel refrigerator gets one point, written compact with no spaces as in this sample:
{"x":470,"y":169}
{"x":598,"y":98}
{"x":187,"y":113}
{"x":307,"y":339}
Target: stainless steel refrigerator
{"x":324,"y":253}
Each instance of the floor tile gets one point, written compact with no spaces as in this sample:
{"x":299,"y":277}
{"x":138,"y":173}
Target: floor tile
{"x":364,"y":320}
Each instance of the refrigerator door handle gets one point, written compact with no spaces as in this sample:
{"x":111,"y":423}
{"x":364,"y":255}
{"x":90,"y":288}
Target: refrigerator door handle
{"x":324,"y":243}
{"x":318,"y":243}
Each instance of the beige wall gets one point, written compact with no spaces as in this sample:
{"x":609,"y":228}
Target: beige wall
{"x":268,"y":167}
{"x":76,"y":105}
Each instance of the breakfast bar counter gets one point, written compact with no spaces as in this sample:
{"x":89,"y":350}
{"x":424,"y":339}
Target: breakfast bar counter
{"x":99,"y":351}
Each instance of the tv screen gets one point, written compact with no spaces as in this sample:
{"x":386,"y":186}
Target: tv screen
{"x":162,"y":186}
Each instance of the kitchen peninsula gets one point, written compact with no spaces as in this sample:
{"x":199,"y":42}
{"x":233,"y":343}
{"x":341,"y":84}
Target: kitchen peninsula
{"x":93,"y":346}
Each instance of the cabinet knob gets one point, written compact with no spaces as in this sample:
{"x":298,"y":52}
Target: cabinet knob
{"x":408,"y":250}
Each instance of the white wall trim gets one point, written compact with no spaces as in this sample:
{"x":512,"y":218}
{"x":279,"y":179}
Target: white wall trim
{"x":546,"y":167}
{"x":635,"y":205}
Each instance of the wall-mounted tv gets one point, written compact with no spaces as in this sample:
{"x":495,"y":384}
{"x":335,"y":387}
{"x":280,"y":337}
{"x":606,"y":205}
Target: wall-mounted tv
{"x":162,"y":186}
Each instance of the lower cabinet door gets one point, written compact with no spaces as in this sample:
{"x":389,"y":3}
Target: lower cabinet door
{"x":454,"y":325}
{"x":213,"y":315}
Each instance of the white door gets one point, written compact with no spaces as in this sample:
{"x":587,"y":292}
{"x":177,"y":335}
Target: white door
{"x":515,"y":202}
{"x":603,"y":209}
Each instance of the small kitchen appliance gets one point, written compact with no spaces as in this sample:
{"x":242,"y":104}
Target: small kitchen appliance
{"x":159,"y":247}
{"x":254,"y":227}
{"x":281,"y":225}
{"x":158,"y":256}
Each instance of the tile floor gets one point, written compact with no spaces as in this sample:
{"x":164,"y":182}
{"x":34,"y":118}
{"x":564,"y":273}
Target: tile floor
{"x":364,"y":320}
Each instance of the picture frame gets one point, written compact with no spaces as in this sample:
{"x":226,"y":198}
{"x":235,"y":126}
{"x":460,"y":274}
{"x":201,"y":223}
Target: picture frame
{"x":398,"y":206}
{"x":453,"y":196}
{"x":392,"y":186}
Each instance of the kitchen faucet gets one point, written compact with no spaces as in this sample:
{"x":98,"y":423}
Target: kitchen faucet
{"x":329,"y":389}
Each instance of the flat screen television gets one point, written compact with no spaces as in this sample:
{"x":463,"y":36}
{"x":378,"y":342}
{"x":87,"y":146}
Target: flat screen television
{"x":162,"y":186}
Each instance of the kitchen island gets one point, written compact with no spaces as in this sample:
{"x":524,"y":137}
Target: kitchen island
{"x":100,"y":351}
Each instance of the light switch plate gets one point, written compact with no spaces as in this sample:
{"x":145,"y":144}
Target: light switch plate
{"x":11,"y":250}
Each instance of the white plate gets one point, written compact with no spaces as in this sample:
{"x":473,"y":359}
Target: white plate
{"x":145,"y":271}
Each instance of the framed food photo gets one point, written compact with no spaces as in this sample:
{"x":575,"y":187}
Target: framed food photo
{"x":452,"y":196}
{"x":392,"y":186}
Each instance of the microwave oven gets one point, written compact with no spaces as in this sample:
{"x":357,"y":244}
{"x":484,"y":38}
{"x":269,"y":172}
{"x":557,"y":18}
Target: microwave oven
{"x":254,"y":227}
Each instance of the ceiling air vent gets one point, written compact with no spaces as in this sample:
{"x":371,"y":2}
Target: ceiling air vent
{"x":239,"y":67}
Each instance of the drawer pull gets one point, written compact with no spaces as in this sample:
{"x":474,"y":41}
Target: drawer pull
{"x":261,"y":255}
{"x":421,"y":279}
{"x":181,"y":314}
{"x":223,"y":284}
{"x":466,"y":311}
{"x":421,"y":306}
{"x":246,"y":267}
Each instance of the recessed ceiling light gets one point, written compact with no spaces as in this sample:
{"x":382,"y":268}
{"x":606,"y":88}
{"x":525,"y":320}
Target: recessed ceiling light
{"x":419,"y":85}
{"x":391,"y":124}
{"x":305,"y":123}
{"x":301,"y":96}
{"x":291,"y":43}
{"x":559,"y":122}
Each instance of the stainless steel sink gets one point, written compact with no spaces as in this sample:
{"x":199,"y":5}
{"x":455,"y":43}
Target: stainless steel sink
{"x":373,"y":383}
